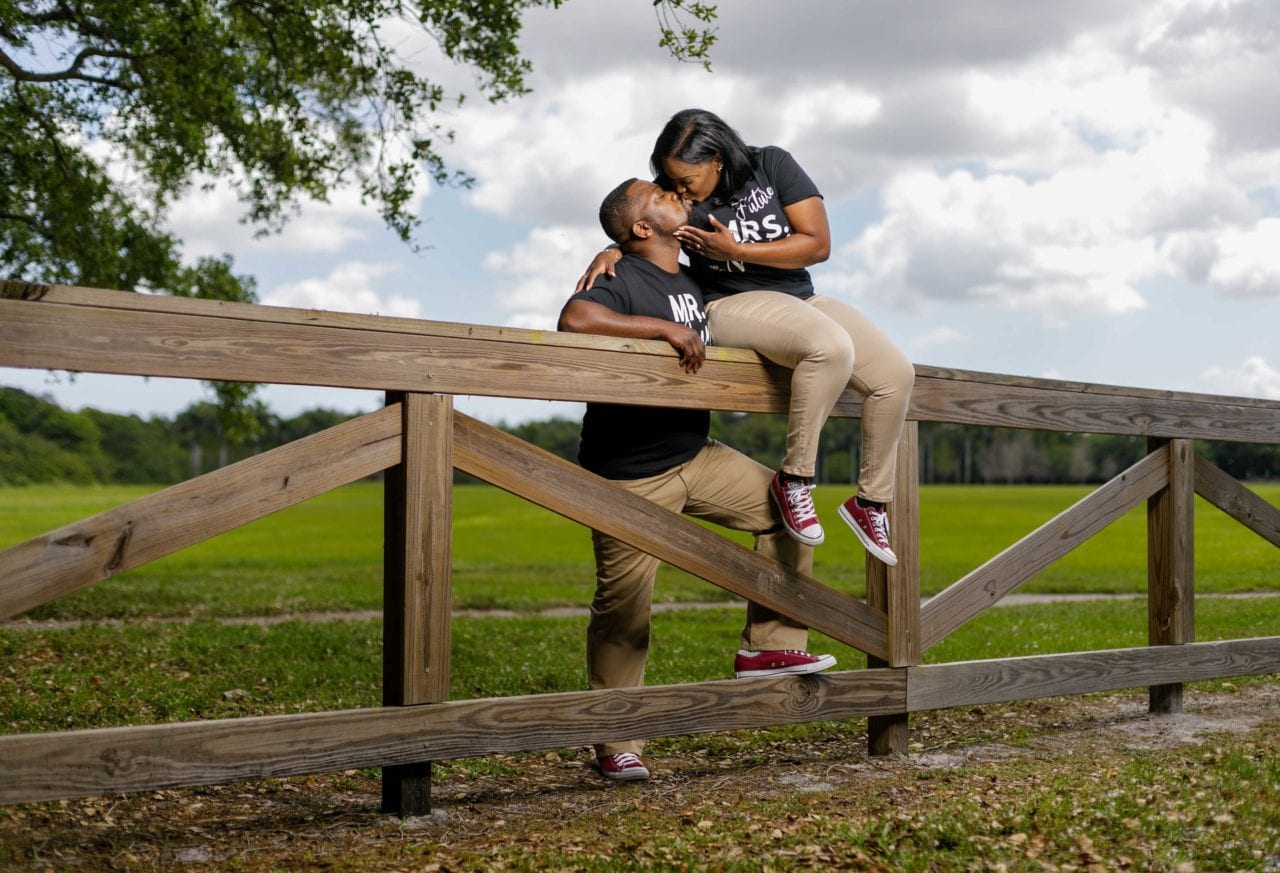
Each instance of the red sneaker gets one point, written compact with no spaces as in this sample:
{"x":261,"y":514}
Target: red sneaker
{"x":872,"y":527}
{"x":791,"y":495}
{"x":623,"y":767}
{"x":784,"y":662}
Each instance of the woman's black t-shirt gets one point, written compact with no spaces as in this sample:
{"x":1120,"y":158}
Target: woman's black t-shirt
{"x":754,"y":213}
{"x":632,"y":442}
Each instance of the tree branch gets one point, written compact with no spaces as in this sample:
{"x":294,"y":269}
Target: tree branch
{"x":74,"y":71}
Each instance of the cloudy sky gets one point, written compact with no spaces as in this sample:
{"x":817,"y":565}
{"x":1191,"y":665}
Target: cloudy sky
{"x":1077,"y":189}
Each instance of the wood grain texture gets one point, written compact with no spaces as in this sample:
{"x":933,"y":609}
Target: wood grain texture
{"x":967,"y":683}
{"x":417,"y":561}
{"x":1171,"y":550}
{"x":102,"y":331}
{"x":199,"y":347}
{"x":1171,"y":563}
{"x":1237,"y":501}
{"x":96,"y":297}
{"x":568,"y":490}
{"x":997,"y":402}
{"x":983,"y":588}
{"x":896,"y":590}
{"x":38,"y":767}
{"x":96,"y":548}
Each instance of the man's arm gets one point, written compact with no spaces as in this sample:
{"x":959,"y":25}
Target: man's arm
{"x":585,"y":316}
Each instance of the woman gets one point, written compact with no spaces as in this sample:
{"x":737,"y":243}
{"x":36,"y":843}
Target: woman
{"x":757,"y":222}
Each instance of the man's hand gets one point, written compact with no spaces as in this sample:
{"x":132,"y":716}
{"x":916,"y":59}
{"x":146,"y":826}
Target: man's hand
{"x":690,"y":346}
{"x":717,"y":244}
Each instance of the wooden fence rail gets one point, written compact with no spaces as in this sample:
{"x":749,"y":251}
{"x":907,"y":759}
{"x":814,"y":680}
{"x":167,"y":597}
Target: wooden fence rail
{"x":418,"y":438}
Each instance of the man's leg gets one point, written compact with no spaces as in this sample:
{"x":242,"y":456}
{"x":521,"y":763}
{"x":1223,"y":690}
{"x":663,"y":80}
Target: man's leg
{"x":618,"y":629}
{"x":727,"y":487}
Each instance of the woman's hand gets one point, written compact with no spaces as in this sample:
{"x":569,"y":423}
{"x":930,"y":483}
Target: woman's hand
{"x":716,"y":244}
{"x":601,"y":264}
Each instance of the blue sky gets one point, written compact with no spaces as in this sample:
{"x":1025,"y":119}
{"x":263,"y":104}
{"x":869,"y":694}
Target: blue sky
{"x":1083,"y":190}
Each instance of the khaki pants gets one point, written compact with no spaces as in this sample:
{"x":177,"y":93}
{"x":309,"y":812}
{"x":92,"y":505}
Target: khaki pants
{"x":830,"y":345}
{"x":720,"y":485}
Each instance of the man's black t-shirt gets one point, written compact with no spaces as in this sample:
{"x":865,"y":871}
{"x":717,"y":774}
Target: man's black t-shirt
{"x":754,"y":213}
{"x":632,"y":442}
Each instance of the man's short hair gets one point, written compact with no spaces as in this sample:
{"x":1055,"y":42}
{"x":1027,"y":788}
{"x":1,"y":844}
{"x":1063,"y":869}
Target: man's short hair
{"x":618,"y":213}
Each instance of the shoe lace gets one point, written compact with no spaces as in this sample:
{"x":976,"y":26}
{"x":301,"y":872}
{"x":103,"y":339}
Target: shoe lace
{"x":625,"y":759}
{"x":800,"y":501}
{"x":880,"y":522}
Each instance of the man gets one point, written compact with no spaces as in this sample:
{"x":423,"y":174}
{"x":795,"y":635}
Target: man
{"x":665,"y":456}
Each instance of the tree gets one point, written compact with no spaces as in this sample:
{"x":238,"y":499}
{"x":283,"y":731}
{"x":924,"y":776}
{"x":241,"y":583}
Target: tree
{"x":288,"y":99}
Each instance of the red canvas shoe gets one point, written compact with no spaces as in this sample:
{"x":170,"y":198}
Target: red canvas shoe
{"x":784,"y":662}
{"x":623,"y":767}
{"x":791,"y":495}
{"x":872,"y":527}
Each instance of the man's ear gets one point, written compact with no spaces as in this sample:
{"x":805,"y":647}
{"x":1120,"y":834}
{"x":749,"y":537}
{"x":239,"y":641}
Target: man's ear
{"x":642,"y":229}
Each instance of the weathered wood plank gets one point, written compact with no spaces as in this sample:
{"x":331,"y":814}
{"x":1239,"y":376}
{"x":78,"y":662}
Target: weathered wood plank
{"x":194,"y":347}
{"x":1171,"y":563}
{"x":212,"y":340}
{"x":78,"y":763}
{"x":1237,"y":501}
{"x":568,"y":490}
{"x":1133,"y":412}
{"x":417,"y":598}
{"x":417,"y":559}
{"x":96,"y":548}
{"x":97,"y":297}
{"x":896,"y":590}
{"x":968,"y":683}
{"x":982,"y":588}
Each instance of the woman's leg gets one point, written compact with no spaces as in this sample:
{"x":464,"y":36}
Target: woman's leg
{"x":790,"y":332}
{"x":884,"y":374}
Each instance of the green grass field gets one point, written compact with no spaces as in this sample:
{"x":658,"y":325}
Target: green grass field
{"x":325,"y":554}
{"x":1072,"y":809}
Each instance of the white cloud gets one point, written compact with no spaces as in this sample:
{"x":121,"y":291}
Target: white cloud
{"x":939,"y":336}
{"x":1024,"y":246}
{"x":350,"y":287}
{"x":1248,"y":262}
{"x":544,"y":268}
{"x":1254,"y":377}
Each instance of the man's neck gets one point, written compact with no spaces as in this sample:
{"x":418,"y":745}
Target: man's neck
{"x":663,"y":252}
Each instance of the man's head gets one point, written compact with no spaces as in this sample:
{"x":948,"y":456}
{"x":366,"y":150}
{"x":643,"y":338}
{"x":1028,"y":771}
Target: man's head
{"x":639,"y":210}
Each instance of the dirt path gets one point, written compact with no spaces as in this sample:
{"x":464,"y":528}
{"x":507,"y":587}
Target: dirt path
{"x":554,"y":803}
{"x":555,"y":612}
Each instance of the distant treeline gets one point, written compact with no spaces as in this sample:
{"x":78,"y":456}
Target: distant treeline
{"x":42,"y":443}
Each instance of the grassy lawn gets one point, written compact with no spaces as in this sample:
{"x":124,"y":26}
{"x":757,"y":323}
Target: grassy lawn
{"x":1053,"y":799}
{"x":325,"y":554}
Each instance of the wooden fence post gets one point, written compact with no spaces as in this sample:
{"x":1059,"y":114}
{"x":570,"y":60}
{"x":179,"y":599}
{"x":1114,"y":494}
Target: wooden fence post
{"x":896,"y":590}
{"x":1171,"y":563}
{"x":417,"y":595}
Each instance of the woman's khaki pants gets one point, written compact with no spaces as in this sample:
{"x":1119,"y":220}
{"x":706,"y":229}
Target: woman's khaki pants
{"x":830,"y":346}
{"x":720,"y":485}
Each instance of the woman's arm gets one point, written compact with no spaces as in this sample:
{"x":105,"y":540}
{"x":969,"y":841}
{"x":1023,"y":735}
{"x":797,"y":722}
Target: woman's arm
{"x":601,"y":265}
{"x":809,"y":243}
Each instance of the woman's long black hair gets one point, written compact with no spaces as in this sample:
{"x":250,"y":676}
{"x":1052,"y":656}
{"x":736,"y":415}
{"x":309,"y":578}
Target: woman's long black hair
{"x":696,"y":136}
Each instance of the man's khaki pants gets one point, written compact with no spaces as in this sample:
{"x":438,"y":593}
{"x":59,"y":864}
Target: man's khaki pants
{"x":720,"y":485}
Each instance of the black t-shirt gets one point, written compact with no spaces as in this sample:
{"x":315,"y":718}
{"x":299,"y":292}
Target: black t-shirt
{"x":754,"y":213}
{"x":632,"y":442}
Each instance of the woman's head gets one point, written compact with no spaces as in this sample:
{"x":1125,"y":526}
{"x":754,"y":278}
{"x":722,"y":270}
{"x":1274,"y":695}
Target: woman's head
{"x":698,"y":155}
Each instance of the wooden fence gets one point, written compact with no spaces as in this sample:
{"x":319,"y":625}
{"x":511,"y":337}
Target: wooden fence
{"x":418,"y":439}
